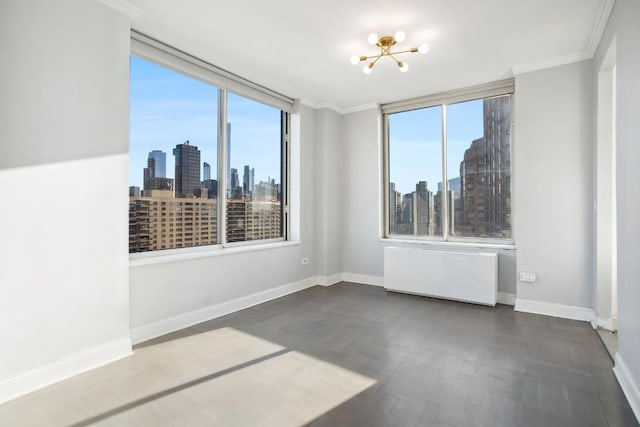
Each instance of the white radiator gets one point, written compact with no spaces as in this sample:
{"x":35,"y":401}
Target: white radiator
{"x":461,"y":276}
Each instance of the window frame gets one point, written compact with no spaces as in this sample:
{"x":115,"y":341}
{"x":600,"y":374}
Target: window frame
{"x":166,"y":56}
{"x":479,"y":92}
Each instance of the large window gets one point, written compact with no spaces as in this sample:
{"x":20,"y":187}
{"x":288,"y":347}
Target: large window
{"x":448,"y":169}
{"x":254,"y":184}
{"x":196,"y":150}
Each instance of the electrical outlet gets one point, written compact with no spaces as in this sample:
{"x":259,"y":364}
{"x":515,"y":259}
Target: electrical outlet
{"x":527,"y":277}
{"x":304,"y":261}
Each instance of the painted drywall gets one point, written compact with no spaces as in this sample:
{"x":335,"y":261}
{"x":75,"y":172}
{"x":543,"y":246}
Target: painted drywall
{"x":58,"y":59}
{"x":329,"y":169}
{"x":605,"y":188}
{"x":64,"y":274}
{"x":623,"y":25}
{"x":174,"y":289}
{"x":553,"y":174}
{"x":363,"y":250}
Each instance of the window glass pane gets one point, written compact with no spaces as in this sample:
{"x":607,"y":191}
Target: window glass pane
{"x":172,"y":159}
{"x":254,"y":177}
{"x":479,"y":168}
{"x":415,"y":172}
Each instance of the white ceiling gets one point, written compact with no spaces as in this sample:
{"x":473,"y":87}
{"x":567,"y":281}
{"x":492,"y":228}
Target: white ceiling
{"x":302,"y":48}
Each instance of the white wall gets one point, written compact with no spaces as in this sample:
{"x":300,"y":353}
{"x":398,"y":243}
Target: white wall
{"x":605,"y":188}
{"x":64,"y":300}
{"x":361,"y":186}
{"x":329,"y":170}
{"x":553,"y":163}
{"x":623,"y":25}
{"x":63,"y":68}
{"x":363,"y":252}
{"x":172,"y":295}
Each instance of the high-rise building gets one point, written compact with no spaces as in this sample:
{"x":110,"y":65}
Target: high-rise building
{"x":267,"y":191}
{"x":405,"y":225}
{"x":155,"y":186}
{"x":229,"y":187}
{"x":206,"y":171}
{"x":187,"y":177}
{"x":454,"y":184}
{"x":148,"y":173}
{"x":485,"y":193}
{"x":236,"y":189}
{"x":212,"y":187}
{"x":159,"y":169}
{"x":395,"y":208}
{"x":452,"y":211}
{"x":167,"y":223}
{"x":247,"y":179}
{"x":253,"y":220}
{"x":424,"y":210}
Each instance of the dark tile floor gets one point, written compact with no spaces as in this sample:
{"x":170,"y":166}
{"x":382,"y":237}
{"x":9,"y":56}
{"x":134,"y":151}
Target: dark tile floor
{"x":348,"y":355}
{"x":442,"y":363}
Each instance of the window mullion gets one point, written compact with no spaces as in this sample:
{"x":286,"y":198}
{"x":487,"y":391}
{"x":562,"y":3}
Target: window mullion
{"x":222,"y":166}
{"x":444,"y":200}
{"x":285,"y":148}
{"x":386,"y":191}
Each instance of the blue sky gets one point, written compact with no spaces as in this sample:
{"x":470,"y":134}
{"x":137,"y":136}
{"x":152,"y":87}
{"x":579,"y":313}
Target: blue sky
{"x":415,"y":143}
{"x":168,"y":108}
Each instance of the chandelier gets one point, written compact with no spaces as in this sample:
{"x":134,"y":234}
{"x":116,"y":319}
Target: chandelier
{"x":385,"y":44}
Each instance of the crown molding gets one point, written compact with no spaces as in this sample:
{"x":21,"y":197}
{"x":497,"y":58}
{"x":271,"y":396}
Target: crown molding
{"x":594,"y":42}
{"x":551,"y":62}
{"x":337,"y":108}
{"x":601,"y":25}
{"x":362,"y":107}
{"x":123,"y":7}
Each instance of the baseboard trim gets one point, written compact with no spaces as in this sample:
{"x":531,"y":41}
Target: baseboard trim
{"x":506,"y":298}
{"x":628,"y":384}
{"x":607,"y":323}
{"x":329,"y":280}
{"x":555,"y":310}
{"x":43,"y":376}
{"x":181,"y":321}
{"x":363,"y":279}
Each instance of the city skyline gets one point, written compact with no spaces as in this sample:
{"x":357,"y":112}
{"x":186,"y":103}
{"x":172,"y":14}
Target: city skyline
{"x":479,"y":197}
{"x":155,"y":174}
{"x":415,"y":143}
{"x":180,"y":213}
{"x":168,"y":108}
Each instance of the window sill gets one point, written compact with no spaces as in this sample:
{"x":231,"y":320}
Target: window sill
{"x":161,"y":257}
{"x":449,"y":244}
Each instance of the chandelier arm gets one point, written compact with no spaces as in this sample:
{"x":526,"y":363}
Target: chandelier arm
{"x":390,"y":54}
{"x":412,"y":50}
{"x":376,"y":60}
{"x":387,"y":52}
{"x":385,"y":44}
{"x":366,"y":58}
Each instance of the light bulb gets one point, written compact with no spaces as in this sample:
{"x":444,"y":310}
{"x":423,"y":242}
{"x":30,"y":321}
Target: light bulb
{"x":424,"y":48}
{"x":367,"y":68}
{"x":400,"y":36}
{"x":355,"y":60}
{"x":404,"y":67}
{"x":373,"y":38}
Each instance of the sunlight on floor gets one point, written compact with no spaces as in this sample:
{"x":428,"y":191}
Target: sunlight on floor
{"x":220,"y":377}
